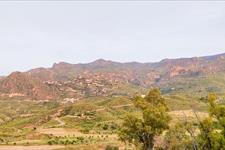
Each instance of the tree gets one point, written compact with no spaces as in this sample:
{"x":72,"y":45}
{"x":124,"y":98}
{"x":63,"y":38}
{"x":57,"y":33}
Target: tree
{"x":212,"y":129}
{"x":153,"y":121}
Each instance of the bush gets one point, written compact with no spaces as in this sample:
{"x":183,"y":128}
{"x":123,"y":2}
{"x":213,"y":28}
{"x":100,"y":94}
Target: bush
{"x":105,"y":127}
{"x":50,"y":142}
{"x":108,"y":147}
{"x":85,"y":130}
{"x":114,"y":126}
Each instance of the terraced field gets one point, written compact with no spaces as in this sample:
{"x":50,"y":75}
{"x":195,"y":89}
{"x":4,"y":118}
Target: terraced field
{"x":92,"y":121}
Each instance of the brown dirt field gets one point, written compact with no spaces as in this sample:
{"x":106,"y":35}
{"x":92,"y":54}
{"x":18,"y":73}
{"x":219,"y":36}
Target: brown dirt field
{"x":41,"y":147}
{"x":188,"y":115}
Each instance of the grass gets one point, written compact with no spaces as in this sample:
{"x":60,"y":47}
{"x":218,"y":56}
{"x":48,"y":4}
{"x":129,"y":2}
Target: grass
{"x":183,"y":102}
{"x":50,"y":124}
{"x":195,"y":86}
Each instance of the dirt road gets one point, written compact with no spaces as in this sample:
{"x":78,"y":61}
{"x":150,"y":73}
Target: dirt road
{"x":40,"y":147}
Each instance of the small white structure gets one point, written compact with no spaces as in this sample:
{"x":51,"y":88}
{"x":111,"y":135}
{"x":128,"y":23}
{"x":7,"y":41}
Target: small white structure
{"x":70,"y":100}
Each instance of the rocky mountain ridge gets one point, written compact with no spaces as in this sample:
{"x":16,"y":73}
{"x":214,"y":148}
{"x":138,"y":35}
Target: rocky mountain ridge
{"x":104,"y":77}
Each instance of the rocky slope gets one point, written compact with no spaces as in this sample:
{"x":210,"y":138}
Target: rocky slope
{"x":20,"y":84}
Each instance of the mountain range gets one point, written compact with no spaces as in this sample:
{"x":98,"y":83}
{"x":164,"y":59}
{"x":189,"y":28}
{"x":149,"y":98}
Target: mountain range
{"x":107,"y":78}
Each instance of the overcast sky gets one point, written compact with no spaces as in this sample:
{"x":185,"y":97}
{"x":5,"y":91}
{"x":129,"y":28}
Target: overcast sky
{"x":37,"y":34}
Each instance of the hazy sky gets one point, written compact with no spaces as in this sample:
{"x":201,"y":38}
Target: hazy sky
{"x":34,"y":34}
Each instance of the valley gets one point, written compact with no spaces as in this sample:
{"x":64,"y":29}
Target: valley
{"x":78,"y":106}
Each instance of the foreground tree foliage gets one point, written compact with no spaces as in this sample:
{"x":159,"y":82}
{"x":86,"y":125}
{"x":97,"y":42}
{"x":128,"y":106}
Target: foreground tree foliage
{"x":212,"y":129}
{"x":154,"y":120}
{"x":206,"y":134}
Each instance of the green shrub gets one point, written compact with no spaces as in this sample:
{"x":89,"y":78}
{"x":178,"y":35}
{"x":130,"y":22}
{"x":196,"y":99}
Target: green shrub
{"x":108,"y":147}
{"x":85,"y":130}
{"x":105,"y":127}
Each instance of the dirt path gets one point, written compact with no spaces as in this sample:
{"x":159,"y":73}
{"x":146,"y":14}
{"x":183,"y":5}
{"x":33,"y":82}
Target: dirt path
{"x":101,"y":109}
{"x":61,"y":123}
{"x":120,"y":106}
{"x":40,"y":147}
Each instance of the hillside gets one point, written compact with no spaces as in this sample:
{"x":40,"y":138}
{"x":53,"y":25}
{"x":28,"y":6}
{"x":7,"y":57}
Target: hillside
{"x":20,"y":84}
{"x":108,"y":78}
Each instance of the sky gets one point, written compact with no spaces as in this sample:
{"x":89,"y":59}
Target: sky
{"x":38,"y":34}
